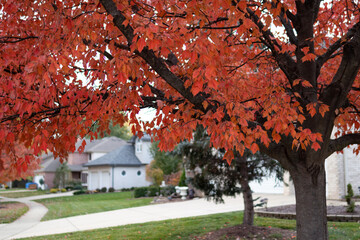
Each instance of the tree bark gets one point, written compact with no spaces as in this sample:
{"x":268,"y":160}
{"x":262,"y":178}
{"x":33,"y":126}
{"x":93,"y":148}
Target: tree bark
{"x":247,"y":193}
{"x":310,"y":192}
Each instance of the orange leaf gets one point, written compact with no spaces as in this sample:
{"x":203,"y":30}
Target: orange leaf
{"x":315,"y":146}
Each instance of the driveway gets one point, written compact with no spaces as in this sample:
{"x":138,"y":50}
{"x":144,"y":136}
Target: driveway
{"x":156,"y":212}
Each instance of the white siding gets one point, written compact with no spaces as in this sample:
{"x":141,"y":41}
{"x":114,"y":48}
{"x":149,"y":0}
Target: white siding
{"x":131,"y":178}
{"x":102,"y":177}
{"x":268,"y":185}
{"x":143,"y":152}
{"x":96,"y":155}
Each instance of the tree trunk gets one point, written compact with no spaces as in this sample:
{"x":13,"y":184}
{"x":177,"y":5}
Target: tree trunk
{"x":310,"y":192}
{"x":247,"y":194}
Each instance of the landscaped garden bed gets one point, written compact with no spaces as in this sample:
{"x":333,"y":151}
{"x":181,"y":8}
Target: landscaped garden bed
{"x":335,"y":213}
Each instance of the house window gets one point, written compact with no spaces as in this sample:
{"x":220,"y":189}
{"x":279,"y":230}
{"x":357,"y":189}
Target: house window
{"x":139,"y":173}
{"x":138,"y":147}
{"x":123,"y":173}
{"x":89,"y":157}
{"x":84,"y":177}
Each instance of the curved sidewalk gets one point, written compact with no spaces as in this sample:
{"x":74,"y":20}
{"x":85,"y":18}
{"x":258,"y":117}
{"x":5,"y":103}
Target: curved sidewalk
{"x":156,"y":212}
{"x":30,"y":218}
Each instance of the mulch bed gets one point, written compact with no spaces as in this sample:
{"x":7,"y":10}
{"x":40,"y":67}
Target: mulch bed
{"x":331,"y":210}
{"x":239,"y":232}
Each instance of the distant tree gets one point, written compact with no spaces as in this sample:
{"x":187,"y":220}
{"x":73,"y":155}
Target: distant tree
{"x":155,"y":174}
{"x":168,"y":162}
{"x":217,"y":178}
{"x":61,"y":175}
{"x":115,"y":130}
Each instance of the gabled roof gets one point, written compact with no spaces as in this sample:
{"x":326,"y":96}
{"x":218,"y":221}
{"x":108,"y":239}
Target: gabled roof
{"x":48,"y":164}
{"x":106,"y":144}
{"x":124,"y":156}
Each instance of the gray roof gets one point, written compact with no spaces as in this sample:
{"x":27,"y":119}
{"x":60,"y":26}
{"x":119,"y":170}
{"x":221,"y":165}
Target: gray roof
{"x":124,"y":156}
{"x":75,"y":168}
{"x":106,"y":144}
{"x":48,"y":164}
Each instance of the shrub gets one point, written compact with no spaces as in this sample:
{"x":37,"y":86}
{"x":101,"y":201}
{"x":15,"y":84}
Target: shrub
{"x":350,"y":193}
{"x":111,"y":189}
{"x":140,"y":192}
{"x":153,"y":191}
{"x":79,"y":192}
{"x":127,"y":189}
{"x":103,"y":189}
{"x":351,"y":207}
{"x":167,"y":191}
{"x":77,"y":187}
{"x":349,"y":201}
{"x":97,"y":190}
{"x":54,"y":190}
{"x":182,"y":182}
{"x":63,"y":190}
{"x":69,"y":188}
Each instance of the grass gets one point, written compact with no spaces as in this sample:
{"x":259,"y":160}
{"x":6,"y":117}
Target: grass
{"x":22,"y":194}
{"x":189,"y":228}
{"x":90,"y":203}
{"x":10,"y":211}
{"x":10,"y":189}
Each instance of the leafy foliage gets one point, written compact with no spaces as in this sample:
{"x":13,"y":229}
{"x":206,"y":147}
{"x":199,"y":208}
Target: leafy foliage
{"x":168,"y":162}
{"x":220,"y":64}
{"x":61,"y":175}
{"x":350,"y":202}
{"x":182,"y":181}
{"x":155,"y":174}
{"x":122,"y":132}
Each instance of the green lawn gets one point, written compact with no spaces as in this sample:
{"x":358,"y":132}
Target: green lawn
{"x":11,"y":189}
{"x":61,"y":207}
{"x":10,"y":211}
{"x":189,"y":228}
{"x":22,"y":194}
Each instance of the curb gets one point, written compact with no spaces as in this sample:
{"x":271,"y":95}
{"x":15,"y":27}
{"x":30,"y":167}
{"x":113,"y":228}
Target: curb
{"x":334,"y":218}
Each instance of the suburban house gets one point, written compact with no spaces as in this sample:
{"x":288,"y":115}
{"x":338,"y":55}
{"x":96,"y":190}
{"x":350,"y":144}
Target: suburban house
{"x":341,"y":168}
{"x":115,"y":156}
{"x":121,"y":168}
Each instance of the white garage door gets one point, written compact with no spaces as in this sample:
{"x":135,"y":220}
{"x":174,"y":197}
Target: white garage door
{"x":105,"y":177}
{"x":95,"y":181}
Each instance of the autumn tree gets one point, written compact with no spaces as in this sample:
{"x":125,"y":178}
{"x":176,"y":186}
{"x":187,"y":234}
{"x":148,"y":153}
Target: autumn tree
{"x":272,"y":76}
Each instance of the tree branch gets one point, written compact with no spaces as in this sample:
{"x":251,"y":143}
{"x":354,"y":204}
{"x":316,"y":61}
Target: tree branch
{"x":342,"y":142}
{"x":284,"y":60}
{"x":150,"y":58}
{"x":335,"y":46}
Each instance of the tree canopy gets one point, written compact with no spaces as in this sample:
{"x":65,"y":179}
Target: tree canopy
{"x":275,"y":76}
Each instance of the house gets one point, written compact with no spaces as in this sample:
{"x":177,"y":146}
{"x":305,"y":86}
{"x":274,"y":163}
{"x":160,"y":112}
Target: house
{"x":122,"y":168}
{"x":341,"y":169}
{"x":93,"y":150}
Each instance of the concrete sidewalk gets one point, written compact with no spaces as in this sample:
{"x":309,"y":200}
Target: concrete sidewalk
{"x":157,"y":212}
{"x":30,"y":218}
